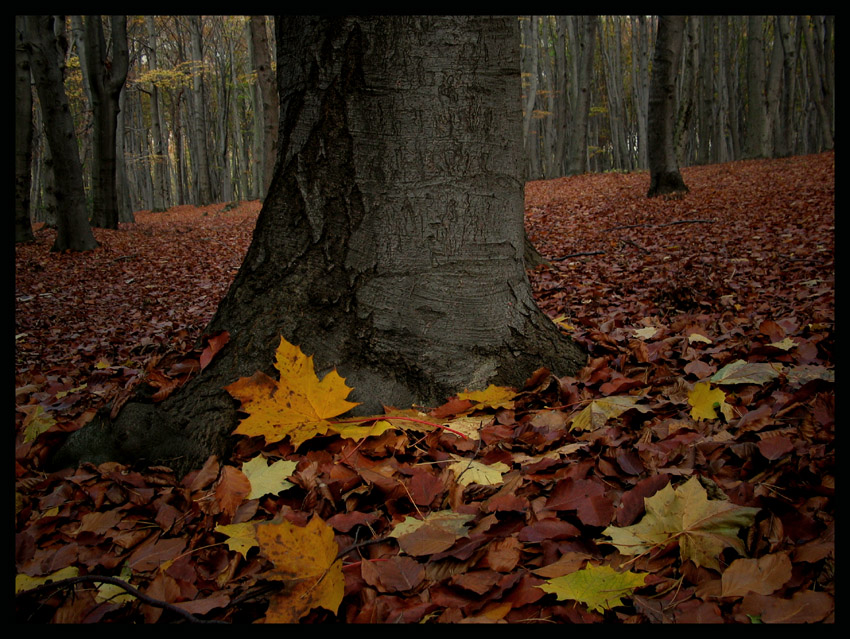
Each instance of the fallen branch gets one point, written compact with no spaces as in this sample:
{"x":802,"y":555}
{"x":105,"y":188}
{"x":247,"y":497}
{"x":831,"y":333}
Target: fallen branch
{"x":583,"y":253}
{"x":157,"y":603}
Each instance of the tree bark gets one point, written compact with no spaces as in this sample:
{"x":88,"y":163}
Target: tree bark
{"x":390,"y":245}
{"x":161,"y":181}
{"x":106,"y":80}
{"x":23,"y":137}
{"x":663,"y":169}
{"x":268,"y":94}
{"x":583,"y":50}
{"x":46,"y":53}
{"x":198,"y":129}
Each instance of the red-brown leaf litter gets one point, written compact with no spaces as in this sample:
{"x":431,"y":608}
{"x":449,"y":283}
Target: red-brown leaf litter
{"x":663,"y":293}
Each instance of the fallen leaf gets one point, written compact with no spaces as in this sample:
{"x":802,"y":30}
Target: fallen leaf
{"x":240,"y":537}
{"x":600,"y":588}
{"x":741,"y":372}
{"x":599,"y":411}
{"x":268,"y":479}
{"x":704,"y":401}
{"x":763,"y":576}
{"x":299,"y":405}
{"x":214,"y":345}
{"x":305,"y":559}
{"x":435,"y":533}
{"x":473,"y":472}
{"x":703,"y":528}
{"x":491,"y":397}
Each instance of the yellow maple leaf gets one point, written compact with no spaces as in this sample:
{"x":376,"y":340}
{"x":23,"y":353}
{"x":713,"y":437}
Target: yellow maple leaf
{"x":240,"y":537}
{"x":304,"y":557}
{"x":298,"y":406}
{"x":491,"y":397}
{"x":703,"y":400}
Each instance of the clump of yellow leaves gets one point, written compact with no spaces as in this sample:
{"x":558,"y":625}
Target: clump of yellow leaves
{"x":299,"y":405}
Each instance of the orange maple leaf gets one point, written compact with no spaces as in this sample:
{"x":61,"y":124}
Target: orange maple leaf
{"x":298,"y":406}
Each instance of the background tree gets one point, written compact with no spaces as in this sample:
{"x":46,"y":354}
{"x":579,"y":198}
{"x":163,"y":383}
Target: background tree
{"x":106,"y":76}
{"x":46,"y":49}
{"x":23,"y":136}
{"x":268,"y":94}
{"x":664,"y":172}
{"x":390,"y":244}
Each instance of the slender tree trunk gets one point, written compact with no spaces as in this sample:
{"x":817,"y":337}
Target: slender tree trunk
{"x":785,"y":142}
{"x":818,"y":85}
{"x":641,"y":45}
{"x":268,"y":93}
{"x":663,"y":169}
{"x":46,"y":53}
{"x":577,"y":149}
{"x":200,"y":159}
{"x":390,"y":245}
{"x":161,"y":195}
{"x":23,"y":136}
{"x":756,"y":111}
{"x":106,"y":80}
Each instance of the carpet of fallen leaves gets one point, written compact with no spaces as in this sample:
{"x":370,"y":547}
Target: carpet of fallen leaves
{"x":664,"y":293}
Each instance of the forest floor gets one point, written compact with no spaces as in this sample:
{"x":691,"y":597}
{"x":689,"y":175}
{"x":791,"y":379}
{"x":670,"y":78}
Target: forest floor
{"x":693,"y":455}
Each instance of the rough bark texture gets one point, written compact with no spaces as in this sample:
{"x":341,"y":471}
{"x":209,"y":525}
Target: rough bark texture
{"x":391,"y":243}
{"x":664,"y":172}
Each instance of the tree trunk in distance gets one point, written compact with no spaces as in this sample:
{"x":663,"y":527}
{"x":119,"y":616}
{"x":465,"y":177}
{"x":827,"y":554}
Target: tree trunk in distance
{"x":268,"y":92}
{"x":46,"y":53}
{"x":390,"y":245}
{"x":23,"y":137}
{"x":663,"y":169}
{"x":106,"y":80}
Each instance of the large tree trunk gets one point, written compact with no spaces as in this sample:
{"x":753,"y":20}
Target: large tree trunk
{"x":390,"y":245}
{"x":46,"y":53}
{"x":663,"y":169}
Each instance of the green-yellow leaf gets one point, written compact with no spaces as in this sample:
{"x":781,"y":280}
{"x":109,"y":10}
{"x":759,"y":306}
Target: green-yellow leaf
{"x":25,"y":582}
{"x":268,"y":479}
{"x":741,"y":372}
{"x":299,"y":405}
{"x":704,"y":401}
{"x":36,"y":422}
{"x":600,"y":588}
{"x":240,"y":537}
{"x":114,"y":593}
{"x":357,"y":431}
{"x":703,"y":528}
